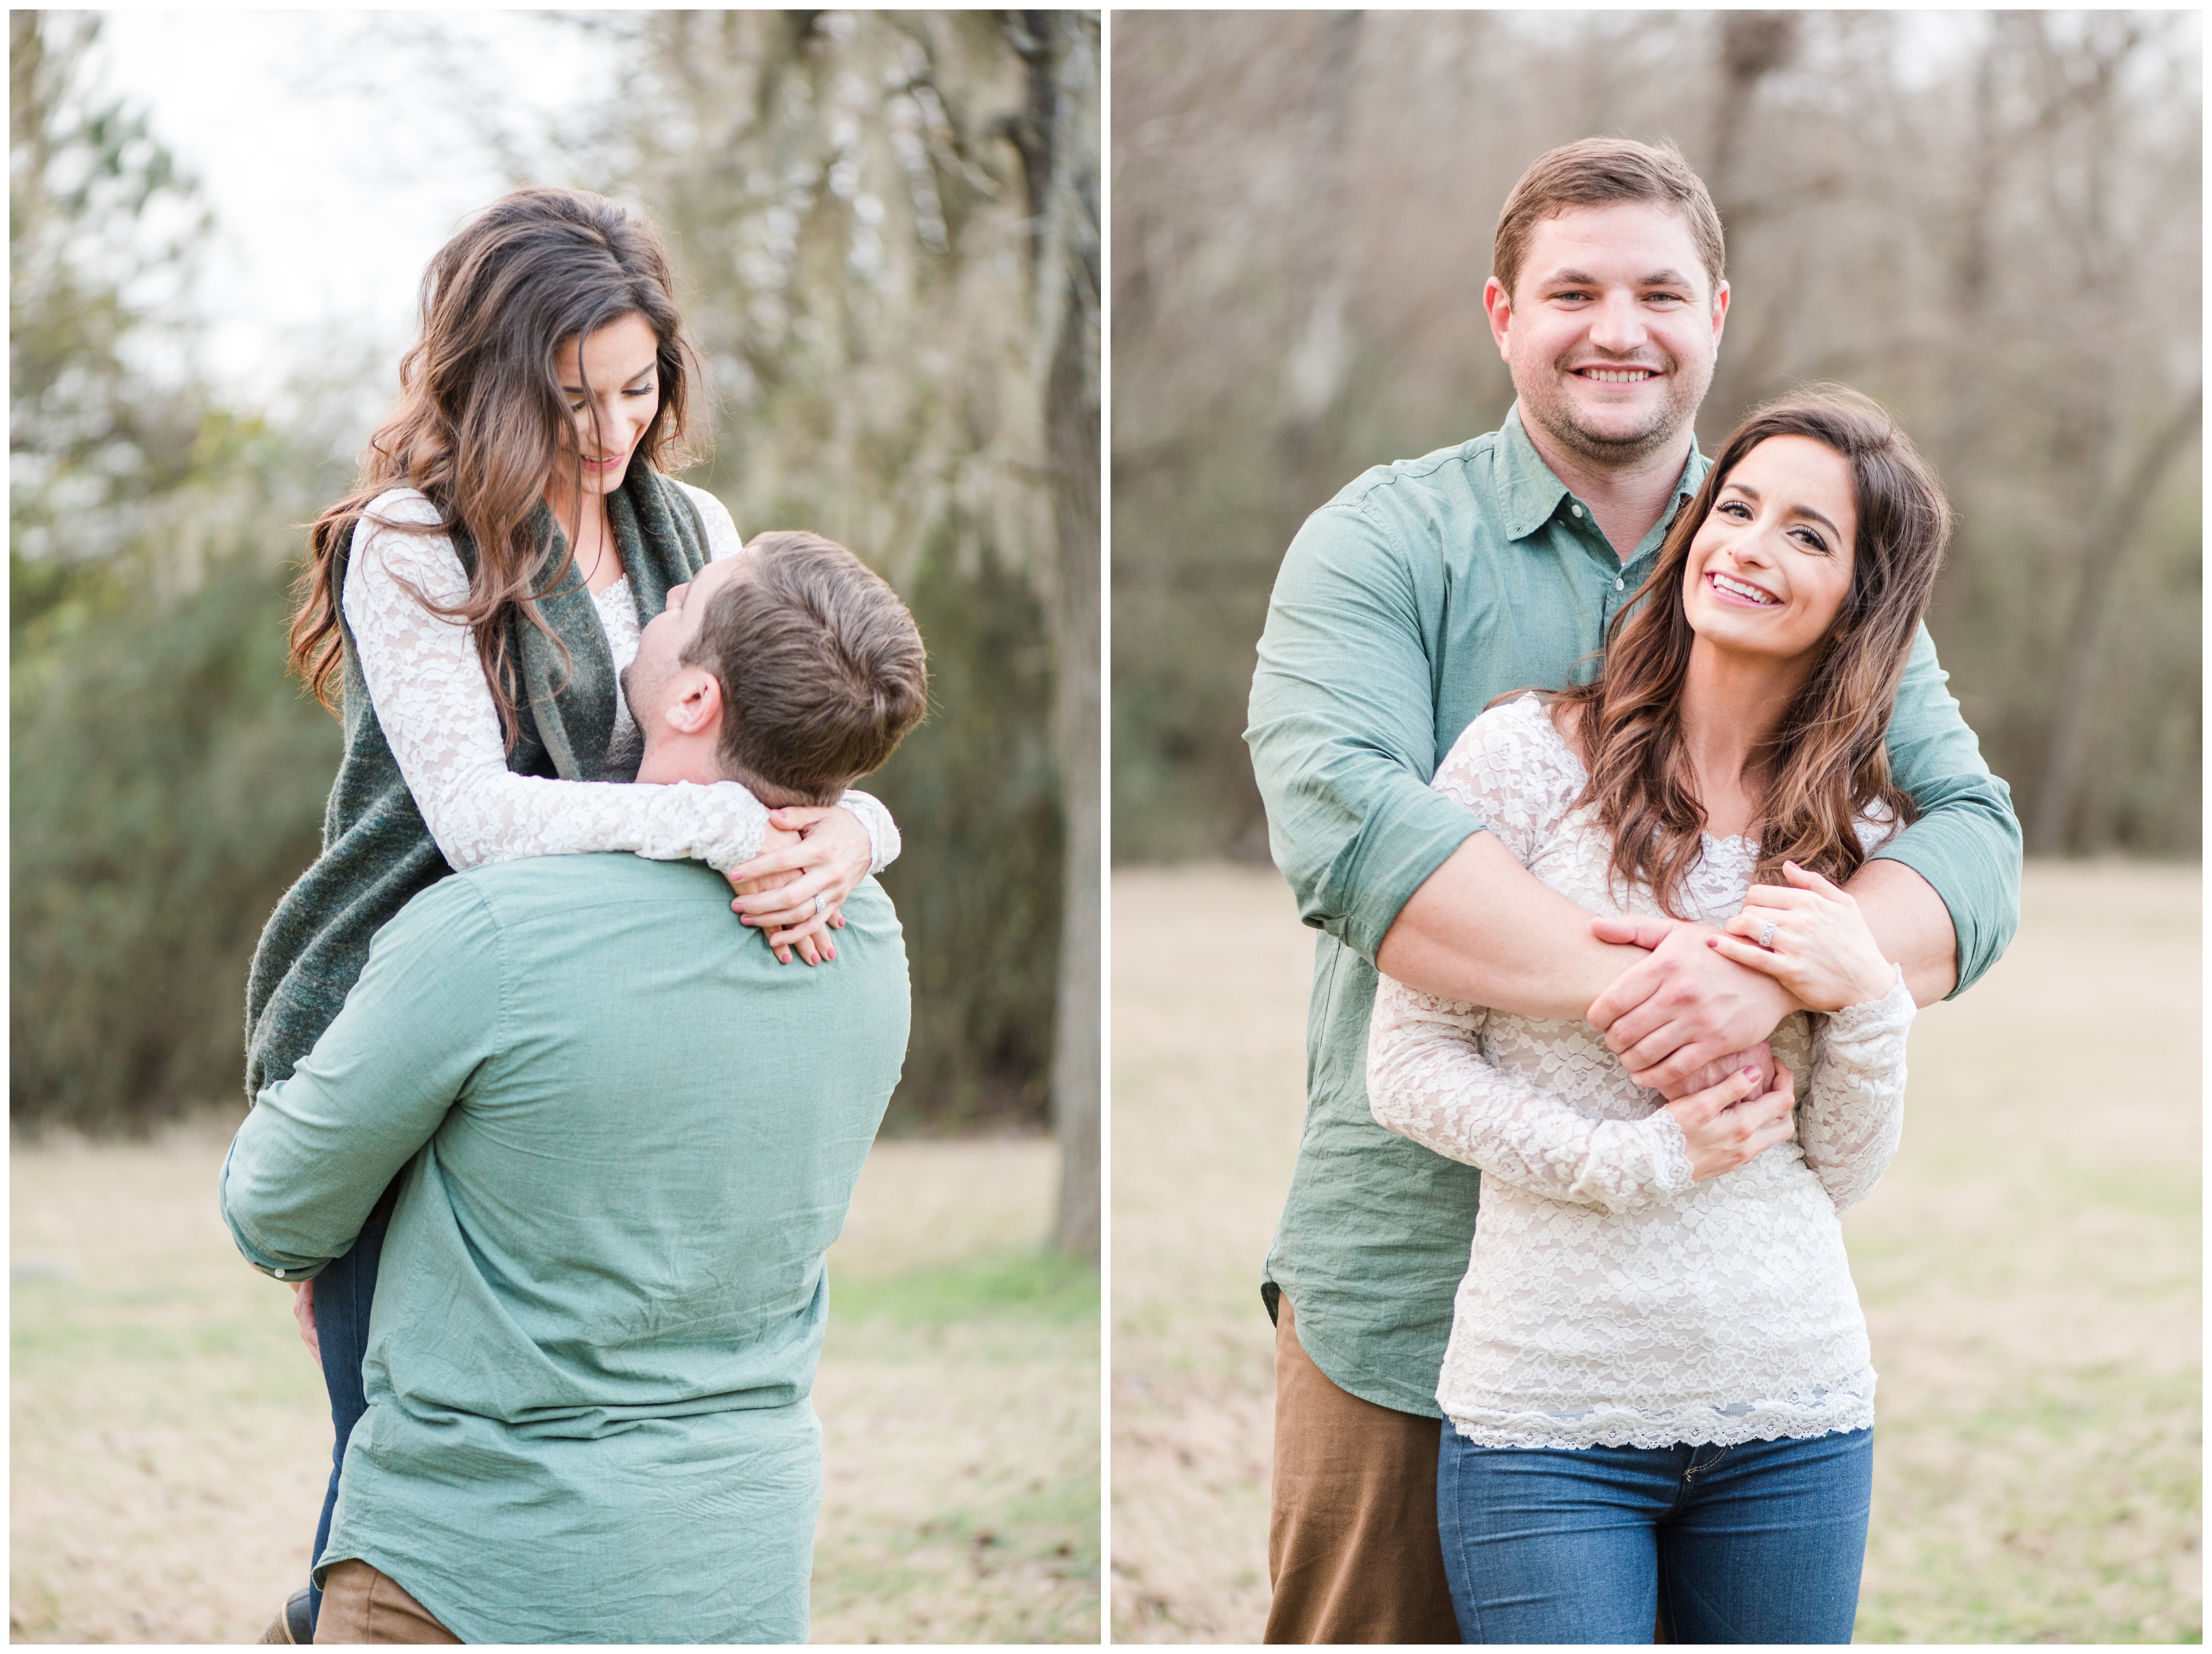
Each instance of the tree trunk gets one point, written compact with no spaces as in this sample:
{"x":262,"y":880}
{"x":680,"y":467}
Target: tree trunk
{"x":1754,"y":44}
{"x":1059,"y":151}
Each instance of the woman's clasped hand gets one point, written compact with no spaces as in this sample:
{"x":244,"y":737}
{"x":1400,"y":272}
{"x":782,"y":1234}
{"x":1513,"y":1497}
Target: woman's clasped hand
{"x":1728,"y":1124}
{"x":789,"y":892}
{"x":1810,"y":936}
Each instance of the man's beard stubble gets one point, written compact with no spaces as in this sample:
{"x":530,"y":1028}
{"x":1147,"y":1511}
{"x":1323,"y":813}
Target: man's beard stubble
{"x":1555,"y":415}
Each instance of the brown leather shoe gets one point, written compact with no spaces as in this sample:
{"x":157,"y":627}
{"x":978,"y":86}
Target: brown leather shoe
{"x":292,"y":1623}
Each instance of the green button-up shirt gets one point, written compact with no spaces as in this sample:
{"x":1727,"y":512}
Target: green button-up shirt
{"x":1405,"y":605}
{"x":629,"y":1137}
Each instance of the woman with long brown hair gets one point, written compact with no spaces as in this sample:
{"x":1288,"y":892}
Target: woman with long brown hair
{"x":478,"y":596}
{"x":1658,"y":1377}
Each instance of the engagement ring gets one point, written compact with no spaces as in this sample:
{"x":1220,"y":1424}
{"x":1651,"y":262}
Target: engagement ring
{"x":821,"y":902}
{"x":1766,"y":936}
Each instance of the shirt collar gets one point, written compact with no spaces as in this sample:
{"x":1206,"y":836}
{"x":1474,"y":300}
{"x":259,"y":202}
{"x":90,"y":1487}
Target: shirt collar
{"x":1531,"y":494}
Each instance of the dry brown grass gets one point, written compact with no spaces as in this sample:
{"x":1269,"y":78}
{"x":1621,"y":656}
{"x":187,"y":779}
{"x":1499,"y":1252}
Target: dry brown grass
{"x":2030,"y":1269}
{"x":959,"y":1401}
{"x":1209,"y":1077}
{"x":170,"y":1438}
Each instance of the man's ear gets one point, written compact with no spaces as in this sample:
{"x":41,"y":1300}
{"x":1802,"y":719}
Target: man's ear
{"x":1720,"y":310}
{"x":1499,"y":303}
{"x":695,"y":708}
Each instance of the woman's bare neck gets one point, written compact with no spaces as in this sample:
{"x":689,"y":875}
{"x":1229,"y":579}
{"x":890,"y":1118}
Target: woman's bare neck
{"x":1731,"y":707}
{"x":582,"y":518}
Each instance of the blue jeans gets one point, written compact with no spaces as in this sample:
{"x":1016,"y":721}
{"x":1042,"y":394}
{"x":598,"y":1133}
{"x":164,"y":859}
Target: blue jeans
{"x":1757,"y":1543}
{"x":345,"y":1292}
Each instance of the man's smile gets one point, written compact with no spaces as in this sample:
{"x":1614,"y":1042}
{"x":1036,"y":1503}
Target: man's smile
{"x":1615,"y":376}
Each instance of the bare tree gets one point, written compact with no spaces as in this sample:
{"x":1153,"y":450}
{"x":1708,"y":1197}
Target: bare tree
{"x":1991,"y":221}
{"x":1058,"y":137}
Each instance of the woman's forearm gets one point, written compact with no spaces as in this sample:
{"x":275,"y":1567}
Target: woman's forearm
{"x":439,"y":719}
{"x":1428,"y":1079}
{"x":1853,"y":1116}
{"x":884,"y":841}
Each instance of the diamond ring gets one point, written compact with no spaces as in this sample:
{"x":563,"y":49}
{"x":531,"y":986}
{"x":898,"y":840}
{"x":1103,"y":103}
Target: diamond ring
{"x":1766,"y":936}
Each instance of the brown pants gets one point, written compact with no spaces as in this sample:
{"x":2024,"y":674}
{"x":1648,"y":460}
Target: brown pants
{"x":361,"y":1605}
{"x":1353,"y":1550}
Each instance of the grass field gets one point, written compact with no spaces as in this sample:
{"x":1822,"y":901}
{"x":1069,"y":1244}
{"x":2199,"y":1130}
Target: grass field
{"x":2030,"y":1269}
{"x":170,"y":1438}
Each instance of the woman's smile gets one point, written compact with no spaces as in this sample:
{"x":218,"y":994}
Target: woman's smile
{"x":1730,"y":589}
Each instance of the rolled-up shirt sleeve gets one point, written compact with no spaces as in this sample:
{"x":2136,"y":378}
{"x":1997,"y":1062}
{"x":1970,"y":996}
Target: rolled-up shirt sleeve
{"x":1342,"y":731}
{"x":1967,"y":842}
{"x":318,"y":1149}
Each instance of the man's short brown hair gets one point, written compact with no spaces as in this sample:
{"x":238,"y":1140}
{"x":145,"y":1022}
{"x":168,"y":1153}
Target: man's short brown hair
{"x":822,"y":671}
{"x":1598,"y":172}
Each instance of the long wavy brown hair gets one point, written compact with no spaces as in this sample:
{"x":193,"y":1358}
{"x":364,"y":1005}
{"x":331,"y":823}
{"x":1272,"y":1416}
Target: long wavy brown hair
{"x":1826,"y":762}
{"x":481,"y":423}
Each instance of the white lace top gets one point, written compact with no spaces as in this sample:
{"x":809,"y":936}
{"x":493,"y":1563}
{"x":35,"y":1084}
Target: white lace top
{"x":437,"y":712}
{"x":1608,"y":1299}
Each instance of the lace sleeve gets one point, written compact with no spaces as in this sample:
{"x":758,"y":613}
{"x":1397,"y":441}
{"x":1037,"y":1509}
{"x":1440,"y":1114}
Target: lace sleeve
{"x":1853,"y":1115}
{"x":884,"y":842}
{"x":723,"y":541}
{"x":437,"y":713}
{"x":1429,"y":1079}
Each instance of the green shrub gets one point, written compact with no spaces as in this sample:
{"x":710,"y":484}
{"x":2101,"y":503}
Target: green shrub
{"x":978,"y":804}
{"x":168,"y":782}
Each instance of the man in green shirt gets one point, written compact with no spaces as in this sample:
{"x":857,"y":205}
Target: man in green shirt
{"x":1421,"y":593}
{"x":629,"y":1137}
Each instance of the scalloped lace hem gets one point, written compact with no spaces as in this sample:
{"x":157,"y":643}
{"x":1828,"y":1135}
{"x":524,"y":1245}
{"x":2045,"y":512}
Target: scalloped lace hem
{"x":1848,"y":1405}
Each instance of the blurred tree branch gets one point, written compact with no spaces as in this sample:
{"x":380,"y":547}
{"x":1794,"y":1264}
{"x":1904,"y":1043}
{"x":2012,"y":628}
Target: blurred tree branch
{"x":100,"y":225}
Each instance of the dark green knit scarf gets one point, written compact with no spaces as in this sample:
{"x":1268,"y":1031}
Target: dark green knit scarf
{"x":377,"y":853}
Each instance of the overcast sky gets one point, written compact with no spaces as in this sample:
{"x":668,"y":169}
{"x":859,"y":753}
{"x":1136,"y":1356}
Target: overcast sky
{"x":336,"y":151}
